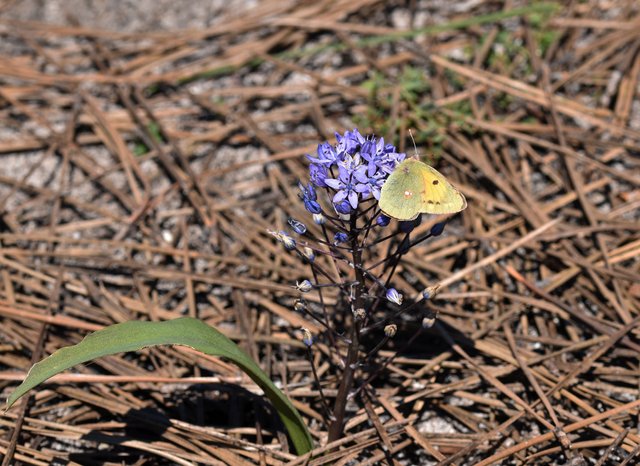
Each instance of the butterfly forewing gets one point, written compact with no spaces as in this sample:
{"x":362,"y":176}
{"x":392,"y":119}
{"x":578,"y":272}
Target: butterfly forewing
{"x":401,"y":196}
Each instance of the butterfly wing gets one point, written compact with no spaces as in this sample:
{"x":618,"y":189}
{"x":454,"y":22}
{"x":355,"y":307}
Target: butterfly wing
{"x":437,"y":195}
{"x":414,"y":187}
{"x":400,"y":196}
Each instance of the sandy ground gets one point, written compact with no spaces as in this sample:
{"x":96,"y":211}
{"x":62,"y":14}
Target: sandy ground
{"x":124,"y":16}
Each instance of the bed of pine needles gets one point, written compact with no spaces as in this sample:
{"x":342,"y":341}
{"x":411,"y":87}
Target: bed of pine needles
{"x":140,"y":171}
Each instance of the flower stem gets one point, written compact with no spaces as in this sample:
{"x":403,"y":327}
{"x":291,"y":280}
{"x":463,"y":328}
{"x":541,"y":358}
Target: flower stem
{"x":337,"y":425}
{"x":351,"y":363}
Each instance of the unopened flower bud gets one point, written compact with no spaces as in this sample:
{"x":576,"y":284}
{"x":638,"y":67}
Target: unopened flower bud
{"x":343,"y":208}
{"x":391,"y":330}
{"x":307,"y":192}
{"x":300,"y":305}
{"x":340,"y":237}
{"x":275,"y":234}
{"x":430,"y":292}
{"x":360,"y":313}
{"x":428,"y":321}
{"x":282,"y":236}
{"x":312,"y":206}
{"x":393,"y":296}
{"x":288,"y":242}
{"x":406,"y":227}
{"x":319,"y":219}
{"x":382,"y":220}
{"x":309,"y":253}
{"x":304,"y":286}
{"x":438,"y":228}
{"x":297,"y":226}
{"x":309,"y":197}
{"x":307,"y":338}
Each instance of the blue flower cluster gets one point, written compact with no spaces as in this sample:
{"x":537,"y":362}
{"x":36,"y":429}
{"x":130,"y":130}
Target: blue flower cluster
{"x":354,"y":169}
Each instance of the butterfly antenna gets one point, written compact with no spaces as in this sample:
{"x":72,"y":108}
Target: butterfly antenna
{"x":414,"y":145}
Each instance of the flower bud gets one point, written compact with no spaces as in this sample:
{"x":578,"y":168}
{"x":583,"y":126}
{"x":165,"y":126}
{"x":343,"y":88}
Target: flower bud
{"x":391,"y":330}
{"x":310,"y":198}
{"x":307,"y":192}
{"x":340,"y":237}
{"x":274,"y":233}
{"x":382,"y":220}
{"x":319,"y":219}
{"x":406,"y":227}
{"x":309,"y":253}
{"x":429,"y":321}
{"x":343,"y":207}
{"x":304,"y":286}
{"x":409,"y":225}
{"x":312,"y":206}
{"x":360,"y":313}
{"x":288,"y":241}
{"x":393,"y":296}
{"x":430,"y":292}
{"x":297,"y":226}
{"x":282,"y":236}
{"x":438,"y":228}
{"x":300,"y":305}
{"x":307,"y":338}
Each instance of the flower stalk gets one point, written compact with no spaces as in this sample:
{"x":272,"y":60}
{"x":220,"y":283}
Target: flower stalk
{"x":339,"y":409}
{"x":345,"y":182}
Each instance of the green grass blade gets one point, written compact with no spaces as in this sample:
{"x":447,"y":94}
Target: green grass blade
{"x":186,"y":331}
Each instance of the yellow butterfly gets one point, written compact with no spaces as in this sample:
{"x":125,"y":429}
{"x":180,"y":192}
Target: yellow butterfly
{"x":414,"y":188}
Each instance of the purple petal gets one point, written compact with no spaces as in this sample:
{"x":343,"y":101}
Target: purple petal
{"x":318,"y":173}
{"x":332,"y":183}
{"x":387,"y":168}
{"x":344,"y":174}
{"x":319,"y":161}
{"x":361,"y":174}
{"x":353,"y":199}
{"x":367,"y":151}
{"x":326,"y":151}
{"x":361,"y":188}
{"x":340,"y":196}
{"x":351,"y":142}
{"x":366,"y":193}
{"x":358,"y":136}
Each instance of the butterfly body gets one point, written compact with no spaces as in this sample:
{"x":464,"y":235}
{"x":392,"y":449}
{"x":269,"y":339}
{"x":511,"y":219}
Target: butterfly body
{"x":414,"y":188}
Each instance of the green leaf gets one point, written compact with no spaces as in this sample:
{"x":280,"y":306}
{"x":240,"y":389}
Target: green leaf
{"x":186,"y":331}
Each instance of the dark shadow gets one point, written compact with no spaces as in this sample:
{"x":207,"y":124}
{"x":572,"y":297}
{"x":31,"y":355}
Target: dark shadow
{"x":212,"y":405}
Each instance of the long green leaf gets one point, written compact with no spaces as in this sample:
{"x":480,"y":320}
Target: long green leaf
{"x":186,"y":331}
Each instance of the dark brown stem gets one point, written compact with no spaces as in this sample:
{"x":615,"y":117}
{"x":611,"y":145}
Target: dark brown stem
{"x":337,"y":425}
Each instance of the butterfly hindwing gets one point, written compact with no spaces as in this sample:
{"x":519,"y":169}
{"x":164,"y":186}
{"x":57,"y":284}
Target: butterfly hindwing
{"x":439,"y":196}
